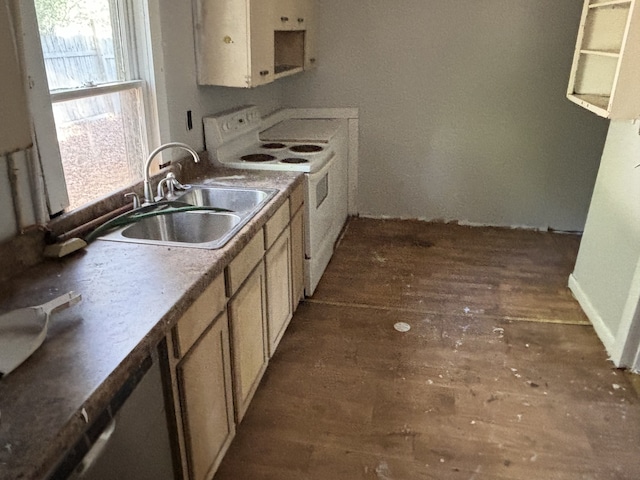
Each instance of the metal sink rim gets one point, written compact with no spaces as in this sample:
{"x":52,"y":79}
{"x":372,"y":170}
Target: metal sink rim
{"x":245,"y":216}
{"x":194,"y":188}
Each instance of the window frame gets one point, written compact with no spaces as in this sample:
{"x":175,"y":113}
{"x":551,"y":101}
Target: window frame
{"x":133,"y":29}
{"x":95,"y":90}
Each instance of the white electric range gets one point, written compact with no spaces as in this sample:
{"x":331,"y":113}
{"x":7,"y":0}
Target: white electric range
{"x":317,"y":147}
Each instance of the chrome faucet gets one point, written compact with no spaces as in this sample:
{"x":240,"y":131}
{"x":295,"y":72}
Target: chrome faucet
{"x":148,"y":191}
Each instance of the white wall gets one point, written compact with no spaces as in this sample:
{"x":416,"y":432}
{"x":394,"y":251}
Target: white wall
{"x":606,"y":278}
{"x":462,"y":105}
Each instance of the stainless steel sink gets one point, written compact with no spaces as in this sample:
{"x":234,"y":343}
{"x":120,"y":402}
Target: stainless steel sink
{"x":197,"y":229}
{"x":211,"y":229}
{"x":234,"y":199}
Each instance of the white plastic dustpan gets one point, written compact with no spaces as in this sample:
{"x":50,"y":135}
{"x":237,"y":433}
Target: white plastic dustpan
{"x":22,"y":331}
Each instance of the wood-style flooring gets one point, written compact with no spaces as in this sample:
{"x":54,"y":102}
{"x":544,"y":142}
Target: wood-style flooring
{"x":500,"y":376}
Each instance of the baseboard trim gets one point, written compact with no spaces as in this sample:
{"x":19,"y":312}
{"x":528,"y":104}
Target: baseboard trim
{"x":603,"y":332}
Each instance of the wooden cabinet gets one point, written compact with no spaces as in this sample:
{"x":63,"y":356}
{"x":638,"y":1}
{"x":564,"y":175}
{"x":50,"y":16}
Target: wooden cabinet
{"x":289,"y":14}
{"x":234,"y":42}
{"x":310,"y":35}
{"x":606,"y":64}
{"x":260,"y":44}
{"x":297,"y":245}
{"x":218,"y":351}
{"x":246,"y":285}
{"x":297,"y":257}
{"x":247,"y":312}
{"x":200,"y":372}
{"x":279,"y":288}
{"x":278,"y":260}
{"x":247,"y":43}
{"x":294,"y":35}
{"x":205,"y":380}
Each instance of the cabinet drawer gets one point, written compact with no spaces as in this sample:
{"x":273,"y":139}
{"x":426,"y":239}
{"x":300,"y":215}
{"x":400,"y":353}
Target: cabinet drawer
{"x":199,"y":316}
{"x":276,"y":225}
{"x":297,"y":198}
{"x":241,"y":266}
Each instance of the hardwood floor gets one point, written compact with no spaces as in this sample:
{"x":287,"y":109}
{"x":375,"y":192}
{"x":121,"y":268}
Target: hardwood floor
{"x":500,"y":376}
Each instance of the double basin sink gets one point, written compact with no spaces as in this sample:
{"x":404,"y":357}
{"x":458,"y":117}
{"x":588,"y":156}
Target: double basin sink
{"x":191,"y":222}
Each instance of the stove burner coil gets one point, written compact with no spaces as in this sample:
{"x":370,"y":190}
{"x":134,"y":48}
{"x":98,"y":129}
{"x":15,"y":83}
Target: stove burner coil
{"x":257,"y":157}
{"x":273,"y":146}
{"x":306,"y":148}
{"x":294,"y":160}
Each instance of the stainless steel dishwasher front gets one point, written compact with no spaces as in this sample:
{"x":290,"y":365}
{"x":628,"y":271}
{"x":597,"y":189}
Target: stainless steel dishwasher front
{"x":135,"y":442}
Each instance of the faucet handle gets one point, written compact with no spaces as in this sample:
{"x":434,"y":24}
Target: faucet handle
{"x":160,"y":189}
{"x":173,"y":183}
{"x":136,"y":199}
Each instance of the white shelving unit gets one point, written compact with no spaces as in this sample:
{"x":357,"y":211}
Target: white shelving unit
{"x":605,"y":75}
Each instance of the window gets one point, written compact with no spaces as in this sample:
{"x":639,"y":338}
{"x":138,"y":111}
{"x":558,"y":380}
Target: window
{"x":96,"y":91}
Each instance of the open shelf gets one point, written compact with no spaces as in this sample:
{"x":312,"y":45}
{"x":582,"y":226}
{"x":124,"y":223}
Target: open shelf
{"x":602,"y":53}
{"x":595,"y":75}
{"x":606,"y":63}
{"x":604,"y":28}
{"x":598,"y":104}
{"x":608,"y":3}
{"x":289,"y":52}
{"x":286,"y":70}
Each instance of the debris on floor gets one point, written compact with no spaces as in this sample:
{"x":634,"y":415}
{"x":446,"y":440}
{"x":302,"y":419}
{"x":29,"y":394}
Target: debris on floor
{"x":402,"y":327}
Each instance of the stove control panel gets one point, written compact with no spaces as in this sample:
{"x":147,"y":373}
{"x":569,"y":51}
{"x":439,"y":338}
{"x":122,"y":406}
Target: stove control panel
{"x":226,"y":126}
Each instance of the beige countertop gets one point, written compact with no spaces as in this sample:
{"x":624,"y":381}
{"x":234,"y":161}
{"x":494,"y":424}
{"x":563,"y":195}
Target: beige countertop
{"x":132,"y":295}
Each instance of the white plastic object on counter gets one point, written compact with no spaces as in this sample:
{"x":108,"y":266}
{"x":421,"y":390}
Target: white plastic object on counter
{"x":22,"y":331}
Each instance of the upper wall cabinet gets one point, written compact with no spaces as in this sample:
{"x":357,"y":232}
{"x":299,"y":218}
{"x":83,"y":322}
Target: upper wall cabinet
{"x":234,"y":44}
{"x":605,"y":75}
{"x":247,"y":43}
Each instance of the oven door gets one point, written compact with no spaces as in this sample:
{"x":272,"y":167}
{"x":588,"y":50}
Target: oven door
{"x":320,"y":209}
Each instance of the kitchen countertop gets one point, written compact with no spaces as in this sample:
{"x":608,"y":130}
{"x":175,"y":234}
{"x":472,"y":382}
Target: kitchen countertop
{"x":132,"y":294}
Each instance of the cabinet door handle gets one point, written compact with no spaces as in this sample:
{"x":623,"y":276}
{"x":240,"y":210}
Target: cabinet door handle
{"x":284,"y":19}
{"x":264,"y":73}
{"x":300,"y":20}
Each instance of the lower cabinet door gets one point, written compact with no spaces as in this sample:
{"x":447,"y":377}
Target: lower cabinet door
{"x":297,"y":257}
{"x":247,"y":311}
{"x":204,"y":379}
{"x":279,"y":291}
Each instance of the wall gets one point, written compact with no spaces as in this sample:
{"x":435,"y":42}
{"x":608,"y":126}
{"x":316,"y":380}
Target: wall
{"x":462,"y":105}
{"x":462,"y":109}
{"x":606,"y":279}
